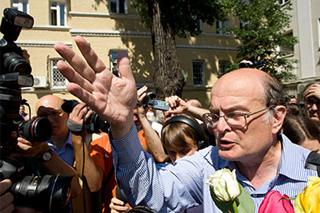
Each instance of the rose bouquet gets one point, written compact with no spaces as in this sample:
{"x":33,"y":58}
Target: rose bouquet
{"x":229,"y":196}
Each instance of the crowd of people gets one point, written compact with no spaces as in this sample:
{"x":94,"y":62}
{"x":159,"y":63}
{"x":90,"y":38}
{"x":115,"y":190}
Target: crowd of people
{"x":250,"y":126}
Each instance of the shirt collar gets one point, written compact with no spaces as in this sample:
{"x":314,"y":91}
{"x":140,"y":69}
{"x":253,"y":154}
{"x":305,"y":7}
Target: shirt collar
{"x":67,"y":143}
{"x":292,"y":160}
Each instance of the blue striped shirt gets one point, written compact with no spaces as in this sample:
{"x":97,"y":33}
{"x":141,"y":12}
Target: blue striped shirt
{"x":174,"y":188}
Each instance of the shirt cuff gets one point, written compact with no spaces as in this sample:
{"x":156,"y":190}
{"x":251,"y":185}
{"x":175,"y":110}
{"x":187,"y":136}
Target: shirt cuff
{"x":128,"y":148}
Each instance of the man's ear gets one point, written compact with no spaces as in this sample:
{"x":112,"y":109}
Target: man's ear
{"x":278,"y":118}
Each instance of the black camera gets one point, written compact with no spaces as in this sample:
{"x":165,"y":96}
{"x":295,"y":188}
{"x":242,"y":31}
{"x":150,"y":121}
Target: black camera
{"x":47,"y":193}
{"x":94,"y":124}
{"x":151,"y":102}
{"x":35,"y":130}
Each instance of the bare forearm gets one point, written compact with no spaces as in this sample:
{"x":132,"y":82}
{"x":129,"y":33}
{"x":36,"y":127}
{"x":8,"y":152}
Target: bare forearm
{"x":92,"y":173}
{"x":196,"y":112}
{"x":153,"y":141}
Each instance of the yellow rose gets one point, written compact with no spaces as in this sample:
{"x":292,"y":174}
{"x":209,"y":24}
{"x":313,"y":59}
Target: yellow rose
{"x":308,"y":201}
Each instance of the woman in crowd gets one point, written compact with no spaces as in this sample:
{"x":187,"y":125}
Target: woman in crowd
{"x":181,"y":136}
{"x":303,"y":131}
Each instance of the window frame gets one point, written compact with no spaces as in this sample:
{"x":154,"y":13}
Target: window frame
{"x":21,"y":5}
{"x":222,"y":27}
{"x":203,"y":73}
{"x":53,"y":68}
{"x":282,"y":2}
{"x":118,"y":6}
{"x":58,"y":14}
{"x":225,"y":64}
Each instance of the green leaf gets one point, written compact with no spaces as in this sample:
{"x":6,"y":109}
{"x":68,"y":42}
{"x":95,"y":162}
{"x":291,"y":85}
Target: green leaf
{"x":245,"y":202}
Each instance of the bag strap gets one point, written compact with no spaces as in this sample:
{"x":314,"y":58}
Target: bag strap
{"x":313,"y":162}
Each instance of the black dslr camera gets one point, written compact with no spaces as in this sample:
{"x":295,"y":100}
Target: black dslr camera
{"x":48,"y":193}
{"x":94,"y":124}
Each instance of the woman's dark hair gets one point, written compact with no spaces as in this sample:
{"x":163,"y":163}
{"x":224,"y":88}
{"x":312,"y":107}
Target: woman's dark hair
{"x":299,"y":128}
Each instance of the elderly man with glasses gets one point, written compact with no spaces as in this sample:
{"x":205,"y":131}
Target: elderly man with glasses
{"x":246,"y":113}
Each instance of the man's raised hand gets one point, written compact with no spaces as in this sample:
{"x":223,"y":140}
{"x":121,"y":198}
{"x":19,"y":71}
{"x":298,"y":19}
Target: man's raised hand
{"x":111,"y":97}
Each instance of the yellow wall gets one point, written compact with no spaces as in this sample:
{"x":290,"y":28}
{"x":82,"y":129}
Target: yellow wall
{"x":208,"y":47}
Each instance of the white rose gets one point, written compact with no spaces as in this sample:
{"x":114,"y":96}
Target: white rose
{"x":224,"y":184}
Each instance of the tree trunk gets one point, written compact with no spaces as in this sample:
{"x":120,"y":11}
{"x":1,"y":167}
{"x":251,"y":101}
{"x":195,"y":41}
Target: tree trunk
{"x":168,"y":76}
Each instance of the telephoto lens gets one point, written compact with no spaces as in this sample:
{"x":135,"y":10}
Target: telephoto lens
{"x":36,"y":130}
{"x":47,"y":194}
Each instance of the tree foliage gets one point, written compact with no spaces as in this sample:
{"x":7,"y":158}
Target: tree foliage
{"x":168,"y":19}
{"x":265,"y":24}
{"x":183,"y":16}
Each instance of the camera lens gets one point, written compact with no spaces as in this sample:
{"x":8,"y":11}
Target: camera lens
{"x":47,"y":193}
{"x":15,"y":63}
{"x":36,"y":130}
{"x":95,"y":124}
{"x":148,"y":101}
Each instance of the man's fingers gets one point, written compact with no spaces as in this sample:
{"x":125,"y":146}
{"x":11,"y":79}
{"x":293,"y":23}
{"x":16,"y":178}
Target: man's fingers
{"x":124,"y":65}
{"x":88,"y":53}
{"x":4,"y":185}
{"x":75,"y":61}
{"x":6,"y":203}
{"x":84,"y":95}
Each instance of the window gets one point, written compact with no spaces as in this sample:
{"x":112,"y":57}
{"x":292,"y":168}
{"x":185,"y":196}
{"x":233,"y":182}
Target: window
{"x":118,"y":6}
{"x":222,"y":27}
{"x":283,"y":1}
{"x":287,"y":50}
{"x":198,"y":73}
{"x":223,"y":64}
{"x":58,"y":81}
{"x":199,"y":25}
{"x":21,"y":5}
{"x":58,"y":15}
{"x":114,"y":63}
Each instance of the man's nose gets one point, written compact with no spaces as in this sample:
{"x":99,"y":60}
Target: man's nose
{"x":222,"y":125}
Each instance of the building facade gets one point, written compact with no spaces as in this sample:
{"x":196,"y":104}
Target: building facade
{"x":305,"y":25}
{"x":111,"y":26}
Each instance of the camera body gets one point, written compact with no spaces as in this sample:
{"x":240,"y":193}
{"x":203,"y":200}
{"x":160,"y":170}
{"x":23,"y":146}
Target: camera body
{"x":94,"y":124}
{"x":151,"y":102}
{"x":47,"y":193}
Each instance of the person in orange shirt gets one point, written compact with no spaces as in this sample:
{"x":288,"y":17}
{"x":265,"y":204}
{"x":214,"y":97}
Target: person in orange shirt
{"x":98,"y":170}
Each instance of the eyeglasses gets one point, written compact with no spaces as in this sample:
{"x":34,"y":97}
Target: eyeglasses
{"x":233,"y":119}
{"x":54,"y":114}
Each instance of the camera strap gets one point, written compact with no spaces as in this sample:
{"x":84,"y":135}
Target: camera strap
{"x":313,"y":162}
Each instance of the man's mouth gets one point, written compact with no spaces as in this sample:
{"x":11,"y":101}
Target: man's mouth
{"x":226,"y":144}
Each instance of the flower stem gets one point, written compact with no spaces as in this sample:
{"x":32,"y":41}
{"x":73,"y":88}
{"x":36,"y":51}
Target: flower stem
{"x":235,"y":207}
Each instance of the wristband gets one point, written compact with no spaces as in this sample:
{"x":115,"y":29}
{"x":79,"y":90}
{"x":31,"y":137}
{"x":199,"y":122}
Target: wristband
{"x":74,"y":127}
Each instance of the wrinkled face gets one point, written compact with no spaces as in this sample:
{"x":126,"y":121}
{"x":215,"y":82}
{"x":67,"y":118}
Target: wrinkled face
{"x":240,"y":96}
{"x":313,"y":108}
{"x":51,"y":109}
{"x":176,"y":153}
